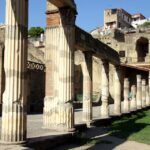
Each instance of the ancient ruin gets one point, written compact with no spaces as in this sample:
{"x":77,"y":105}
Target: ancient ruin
{"x":121,"y":60}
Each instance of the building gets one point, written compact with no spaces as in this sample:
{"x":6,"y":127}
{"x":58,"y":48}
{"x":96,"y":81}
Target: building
{"x":137,"y":17}
{"x":117,"y":18}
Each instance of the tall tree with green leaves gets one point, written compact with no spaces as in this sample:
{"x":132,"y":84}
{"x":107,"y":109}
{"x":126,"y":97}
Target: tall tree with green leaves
{"x":35,"y":31}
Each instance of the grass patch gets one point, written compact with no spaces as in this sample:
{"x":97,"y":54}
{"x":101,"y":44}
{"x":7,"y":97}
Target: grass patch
{"x":136,"y":127}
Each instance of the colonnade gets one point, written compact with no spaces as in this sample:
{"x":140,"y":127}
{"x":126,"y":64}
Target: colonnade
{"x":58,"y":103}
{"x":135,"y":97}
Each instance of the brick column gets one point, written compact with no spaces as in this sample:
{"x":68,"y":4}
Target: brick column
{"x":105,"y":90}
{"x":15,"y":60}
{"x":117,"y":91}
{"x":126,"y":95}
{"x":143,"y":93}
{"x":139,"y":92}
{"x":87,"y":87}
{"x":133,"y":103}
{"x":60,"y":46}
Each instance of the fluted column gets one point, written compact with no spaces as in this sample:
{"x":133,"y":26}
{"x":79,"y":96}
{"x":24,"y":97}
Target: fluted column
{"x":15,"y":60}
{"x":147,"y":96}
{"x":66,"y":78}
{"x":143,"y":93}
{"x":133,"y":103}
{"x":139,"y":92}
{"x":126,"y":95}
{"x":49,"y":100}
{"x":58,"y":105}
{"x":87,"y":87}
{"x":117,"y":91}
{"x":105,"y":89}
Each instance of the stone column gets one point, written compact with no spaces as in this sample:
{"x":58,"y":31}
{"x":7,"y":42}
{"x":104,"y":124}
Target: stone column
{"x":139,"y":92}
{"x":133,"y":106}
{"x":105,"y":89}
{"x":15,"y":61}
{"x":143,"y":93}
{"x":58,"y":105}
{"x":87,"y":87}
{"x":49,"y":101}
{"x":117,"y":91}
{"x":126,"y":95}
{"x":147,"y":96}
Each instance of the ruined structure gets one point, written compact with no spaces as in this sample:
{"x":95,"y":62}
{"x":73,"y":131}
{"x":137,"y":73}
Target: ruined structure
{"x":119,"y":18}
{"x":66,"y":45}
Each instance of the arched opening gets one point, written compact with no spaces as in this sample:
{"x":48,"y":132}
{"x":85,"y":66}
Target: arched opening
{"x":142,"y":49}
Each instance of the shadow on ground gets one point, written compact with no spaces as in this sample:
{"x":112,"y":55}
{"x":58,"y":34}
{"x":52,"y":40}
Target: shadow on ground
{"x":108,"y":137}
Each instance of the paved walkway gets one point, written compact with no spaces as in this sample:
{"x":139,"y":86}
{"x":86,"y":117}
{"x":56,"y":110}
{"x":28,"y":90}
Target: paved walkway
{"x":35,"y":130}
{"x":35,"y":123}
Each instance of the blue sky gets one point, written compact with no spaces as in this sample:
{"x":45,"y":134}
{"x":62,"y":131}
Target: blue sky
{"x":90,"y":12}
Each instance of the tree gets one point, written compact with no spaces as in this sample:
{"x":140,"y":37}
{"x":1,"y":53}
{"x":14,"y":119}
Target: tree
{"x":35,"y":31}
{"x":145,"y":25}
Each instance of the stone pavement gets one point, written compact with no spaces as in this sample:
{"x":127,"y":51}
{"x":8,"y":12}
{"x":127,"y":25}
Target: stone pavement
{"x":35,"y":123}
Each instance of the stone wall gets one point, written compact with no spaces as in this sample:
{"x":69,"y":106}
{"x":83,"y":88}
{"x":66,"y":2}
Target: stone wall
{"x":126,"y":42}
{"x":35,"y":76}
{"x":36,"y":87}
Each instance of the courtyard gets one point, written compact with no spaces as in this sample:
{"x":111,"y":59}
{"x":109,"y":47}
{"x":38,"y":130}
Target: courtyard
{"x":130,"y":131}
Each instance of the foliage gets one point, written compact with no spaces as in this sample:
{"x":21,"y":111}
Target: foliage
{"x":145,"y":25}
{"x":35,"y":31}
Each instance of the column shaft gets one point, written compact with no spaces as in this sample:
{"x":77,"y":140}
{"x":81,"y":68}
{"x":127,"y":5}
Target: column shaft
{"x":66,"y":79}
{"x":133,"y":106}
{"x":126,"y":96}
{"x":15,"y":60}
{"x":105,"y":90}
{"x":60,"y":46}
{"x":51,"y":77}
{"x":117,"y":91}
{"x":139,"y":92}
{"x":143,"y":93}
{"x":87,"y":87}
{"x":147,"y":96}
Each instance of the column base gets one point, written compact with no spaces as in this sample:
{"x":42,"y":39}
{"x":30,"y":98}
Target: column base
{"x":60,"y":118}
{"x":13,"y":143}
{"x":89,"y":124}
{"x":87,"y":117}
{"x":139,"y":107}
{"x":117,"y":114}
{"x":58,"y":128}
{"x":126,"y":107}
